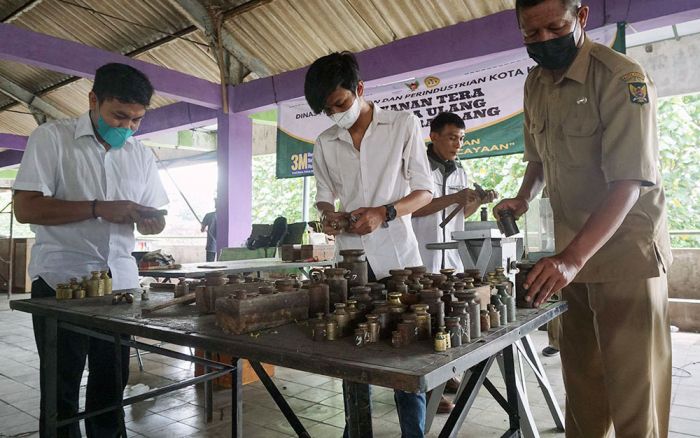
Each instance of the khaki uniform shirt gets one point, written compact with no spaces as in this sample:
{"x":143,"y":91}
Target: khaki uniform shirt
{"x":594,"y":126}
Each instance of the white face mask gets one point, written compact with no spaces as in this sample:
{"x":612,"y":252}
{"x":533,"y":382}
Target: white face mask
{"x":347,"y":118}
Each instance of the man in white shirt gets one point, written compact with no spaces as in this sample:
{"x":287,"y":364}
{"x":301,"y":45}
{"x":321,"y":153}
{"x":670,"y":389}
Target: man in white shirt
{"x":450,"y":190}
{"x":83,"y":184}
{"x":374,"y":162}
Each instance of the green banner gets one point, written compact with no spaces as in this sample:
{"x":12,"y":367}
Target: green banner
{"x":486,"y":93}
{"x":294,"y":156}
{"x":502,"y":138}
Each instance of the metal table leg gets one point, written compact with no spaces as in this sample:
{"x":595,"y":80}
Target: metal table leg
{"x":237,"y":399}
{"x":528,"y":429}
{"x":464,"y":401}
{"x":358,"y":413}
{"x":118,"y":379}
{"x":511,"y":390}
{"x":534,"y":362}
{"x":434,"y":398}
{"x":279,"y":400}
{"x":208,"y":392}
{"x":49,"y":372}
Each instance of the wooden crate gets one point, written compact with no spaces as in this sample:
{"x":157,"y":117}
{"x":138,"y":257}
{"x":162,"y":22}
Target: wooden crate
{"x":317,"y":253}
{"x":290,"y":253}
{"x":303,"y":253}
{"x":249,"y":375}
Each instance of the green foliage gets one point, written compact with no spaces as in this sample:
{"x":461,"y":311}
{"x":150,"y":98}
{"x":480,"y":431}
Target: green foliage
{"x":502,"y":174}
{"x":278,"y":197}
{"x":679,"y":151}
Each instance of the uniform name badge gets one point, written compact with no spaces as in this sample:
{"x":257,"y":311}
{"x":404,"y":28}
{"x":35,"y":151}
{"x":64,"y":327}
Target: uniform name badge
{"x":637,"y":87}
{"x":638,"y":92}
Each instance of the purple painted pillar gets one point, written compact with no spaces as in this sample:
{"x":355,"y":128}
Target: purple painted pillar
{"x":235,"y":185}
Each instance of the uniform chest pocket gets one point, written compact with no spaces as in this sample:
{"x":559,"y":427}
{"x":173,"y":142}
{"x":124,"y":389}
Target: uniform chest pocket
{"x":536,"y":128}
{"x":581,"y":142}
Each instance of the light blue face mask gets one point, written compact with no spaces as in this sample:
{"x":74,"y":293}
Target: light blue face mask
{"x":115,"y":137}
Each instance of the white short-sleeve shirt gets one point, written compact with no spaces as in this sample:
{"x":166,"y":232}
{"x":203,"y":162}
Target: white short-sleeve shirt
{"x":427,"y":228}
{"x":390,"y":164}
{"x":64,"y":160}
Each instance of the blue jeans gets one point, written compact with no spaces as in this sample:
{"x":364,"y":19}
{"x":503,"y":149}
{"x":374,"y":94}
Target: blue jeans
{"x":410,"y":408}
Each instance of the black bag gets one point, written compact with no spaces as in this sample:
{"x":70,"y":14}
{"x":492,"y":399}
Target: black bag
{"x":277,"y":233}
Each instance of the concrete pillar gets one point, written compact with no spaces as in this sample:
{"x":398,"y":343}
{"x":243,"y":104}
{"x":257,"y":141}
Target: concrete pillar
{"x":235,"y":179}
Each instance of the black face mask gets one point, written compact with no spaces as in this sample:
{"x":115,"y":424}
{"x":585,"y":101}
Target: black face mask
{"x":555,"y":54}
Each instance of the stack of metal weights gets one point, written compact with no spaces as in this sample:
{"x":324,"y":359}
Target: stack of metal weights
{"x":447,"y":308}
{"x":98,"y":284}
{"x":254,"y":305}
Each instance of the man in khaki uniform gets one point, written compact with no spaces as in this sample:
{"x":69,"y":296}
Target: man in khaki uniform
{"x":590,"y":134}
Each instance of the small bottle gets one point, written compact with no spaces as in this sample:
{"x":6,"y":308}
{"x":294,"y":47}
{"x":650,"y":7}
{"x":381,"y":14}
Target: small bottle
{"x":506,"y":223}
{"x":63,"y":292}
{"x":374,"y":327}
{"x":78,"y":293}
{"x":74,"y":284}
{"x":319,"y":331}
{"x":484,"y":214}
{"x":454,"y":330}
{"x":342,"y":320}
{"x":182,"y":288}
{"x":485,"y":321}
{"x":360,"y":337}
{"x":100,"y":284}
{"x":395,"y":339}
{"x":494,"y":316}
{"x":93,"y":285}
{"x":107,"y":283}
{"x":440,"y":341}
{"x":331,"y":329}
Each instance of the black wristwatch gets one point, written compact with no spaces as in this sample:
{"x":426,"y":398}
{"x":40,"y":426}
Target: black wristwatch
{"x":390,"y":213}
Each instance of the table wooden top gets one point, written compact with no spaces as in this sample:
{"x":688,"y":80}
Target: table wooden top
{"x":199,"y":270}
{"x":413,"y":368}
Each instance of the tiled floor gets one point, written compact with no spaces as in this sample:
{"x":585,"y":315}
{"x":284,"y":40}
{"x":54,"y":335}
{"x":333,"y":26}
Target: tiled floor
{"x":316,"y":399}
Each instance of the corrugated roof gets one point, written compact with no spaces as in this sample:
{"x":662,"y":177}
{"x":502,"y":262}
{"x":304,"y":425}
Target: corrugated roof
{"x":283,"y":34}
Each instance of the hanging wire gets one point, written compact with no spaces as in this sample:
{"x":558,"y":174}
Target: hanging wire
{"x":184,"y":198}
{"x":163,"y":166}
{"x":114,"y":17}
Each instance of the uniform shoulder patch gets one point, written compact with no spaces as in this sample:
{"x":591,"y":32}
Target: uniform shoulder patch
{"x":638,"y":92}
{"x":633,"y":76}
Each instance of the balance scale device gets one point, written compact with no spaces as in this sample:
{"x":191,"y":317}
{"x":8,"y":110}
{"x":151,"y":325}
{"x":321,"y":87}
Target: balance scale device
{"x":482,"y":246}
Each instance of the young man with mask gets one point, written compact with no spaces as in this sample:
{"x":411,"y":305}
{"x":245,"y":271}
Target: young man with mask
{"x":590,"y":135}
{"x":83,"y":184}
{"x":373,"y":161}
{"x":449,"y":190}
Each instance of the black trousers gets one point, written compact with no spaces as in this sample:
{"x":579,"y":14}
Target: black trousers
{"x":102,"y":387}
{"x":211,"y":256}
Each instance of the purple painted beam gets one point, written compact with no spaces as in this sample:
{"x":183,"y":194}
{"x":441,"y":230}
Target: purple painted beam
{"x":174,"y":117}
{"x":235,"y":184}
{"x":69,"y":57}
{"x":12,"y":141}
{"x":177,"y":116}
{"x":490,"y":34}
{"x":633,"y":11}
{"x":10,"y":158}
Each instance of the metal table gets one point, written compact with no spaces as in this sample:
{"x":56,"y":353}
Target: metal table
{"x":413,"y":368}
{"x":199,"y":270}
